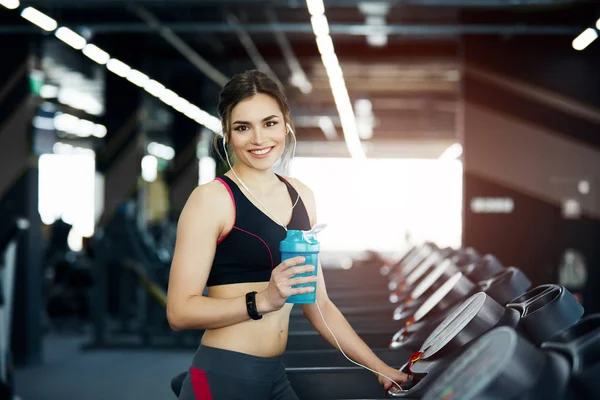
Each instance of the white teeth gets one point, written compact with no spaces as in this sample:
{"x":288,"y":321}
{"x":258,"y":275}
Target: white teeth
{"x":260,"y":152}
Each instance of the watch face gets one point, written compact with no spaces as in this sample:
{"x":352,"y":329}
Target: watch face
{"x":472,"y":372}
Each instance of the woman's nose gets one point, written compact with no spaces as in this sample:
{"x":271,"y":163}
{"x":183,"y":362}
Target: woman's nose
{"x":258,"y":137}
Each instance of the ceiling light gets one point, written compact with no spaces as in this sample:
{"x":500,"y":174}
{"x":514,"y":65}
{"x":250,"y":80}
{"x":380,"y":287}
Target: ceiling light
{"x":315,"y":7}
{"x":118,"y":67}
{"x":96,"y":54}
{"x":325,"y":45}
{"x":169,"y":97}
{"x":319,"y":25}
{"x":584,"y":39}
{"x":10,"y":4}
{"x":155,"y":88}
{"x":39,"y":18}
{"x":71,"y":38}
{"x":99,"y":131}
{"x":137,"y":78}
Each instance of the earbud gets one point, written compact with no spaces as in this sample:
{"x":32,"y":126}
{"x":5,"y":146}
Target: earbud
{"x":289,"y":128}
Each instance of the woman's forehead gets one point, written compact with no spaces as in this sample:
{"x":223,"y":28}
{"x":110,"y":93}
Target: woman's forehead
{"x":255,"y":108}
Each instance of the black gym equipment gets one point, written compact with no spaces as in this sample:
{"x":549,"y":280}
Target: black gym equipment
{"x":412,"y":328}
{"x":130,"y":282}
{"x":405,"y":266}
{"x":580,"y":344}
{"x":9,"y":238}
{"x":502,"y":287}
{"x":537,"y":315}
{"x":419,"y":270}
{"x":375,"y":313}
{"x":477,"y":315}
{"x":475,"y":270}
{"x":502,"y":364}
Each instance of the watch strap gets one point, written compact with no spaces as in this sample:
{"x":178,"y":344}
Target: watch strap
{"x":251,"y":306}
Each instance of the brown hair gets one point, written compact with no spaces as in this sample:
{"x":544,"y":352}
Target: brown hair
{"x":243,"y":86}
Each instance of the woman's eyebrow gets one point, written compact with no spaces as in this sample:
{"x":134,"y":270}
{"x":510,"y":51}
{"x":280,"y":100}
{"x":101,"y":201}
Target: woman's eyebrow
{"x":248,"y":123}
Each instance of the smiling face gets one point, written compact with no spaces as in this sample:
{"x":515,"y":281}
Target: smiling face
{"x":257,"y":132}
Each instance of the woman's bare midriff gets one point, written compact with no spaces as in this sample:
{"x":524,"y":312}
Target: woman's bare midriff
{"x":266,"y":337}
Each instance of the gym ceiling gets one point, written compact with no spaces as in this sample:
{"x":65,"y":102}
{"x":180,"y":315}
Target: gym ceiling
{"x":402,"y":56}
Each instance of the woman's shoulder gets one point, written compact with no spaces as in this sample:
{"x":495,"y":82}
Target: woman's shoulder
{"x":211,"y":196}
{"x":302,"y":188}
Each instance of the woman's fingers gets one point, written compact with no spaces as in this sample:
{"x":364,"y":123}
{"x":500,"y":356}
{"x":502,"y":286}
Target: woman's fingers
{"x":302,"y":290}
{"x":290,"y":262}
{"x":302,"y":279}
{"x":298,"y":270}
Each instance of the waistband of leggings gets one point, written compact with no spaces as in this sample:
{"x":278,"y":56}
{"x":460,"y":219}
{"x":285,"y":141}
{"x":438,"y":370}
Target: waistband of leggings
{"x":229,"y":362}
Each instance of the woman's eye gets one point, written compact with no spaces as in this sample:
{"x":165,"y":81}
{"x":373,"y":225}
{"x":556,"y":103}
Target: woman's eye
{"x":241,"y":128}
{"x":271,"y":123}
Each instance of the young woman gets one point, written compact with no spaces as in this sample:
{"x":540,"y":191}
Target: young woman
{"x":228,"y":240}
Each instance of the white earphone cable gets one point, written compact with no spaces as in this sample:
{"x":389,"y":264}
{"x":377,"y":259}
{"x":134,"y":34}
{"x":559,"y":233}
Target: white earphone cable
{"x":285,"y":227}
{"x":248,"y":190}
{"x":344,"y":354}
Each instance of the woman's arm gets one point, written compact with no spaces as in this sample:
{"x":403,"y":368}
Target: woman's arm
{"x":200,"y":224}
{"x":352,"y":345}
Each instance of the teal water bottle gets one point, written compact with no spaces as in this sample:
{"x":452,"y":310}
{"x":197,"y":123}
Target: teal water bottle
{"x":298,"y":244}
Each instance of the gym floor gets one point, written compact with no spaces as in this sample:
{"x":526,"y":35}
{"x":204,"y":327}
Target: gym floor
{"x":68,"y":372}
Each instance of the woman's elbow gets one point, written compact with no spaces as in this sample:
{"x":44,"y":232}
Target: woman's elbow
{"x":181,"y":318}
{"x":176,"y":316}
{"x":175,"y":321}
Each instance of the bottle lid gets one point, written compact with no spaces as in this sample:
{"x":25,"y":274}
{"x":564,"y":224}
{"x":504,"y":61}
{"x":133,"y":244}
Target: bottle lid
{"x":297,"y":241}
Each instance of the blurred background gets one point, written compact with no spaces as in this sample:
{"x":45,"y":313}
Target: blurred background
{"x":461,"y":122}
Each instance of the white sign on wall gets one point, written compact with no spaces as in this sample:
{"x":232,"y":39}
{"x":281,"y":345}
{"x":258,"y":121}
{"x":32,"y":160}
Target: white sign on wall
{"x":492,"y":205}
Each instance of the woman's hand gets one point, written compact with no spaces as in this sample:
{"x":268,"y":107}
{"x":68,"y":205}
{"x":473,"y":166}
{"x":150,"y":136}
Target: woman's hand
{"x":280,"y":286}
{"x":393,"y":373}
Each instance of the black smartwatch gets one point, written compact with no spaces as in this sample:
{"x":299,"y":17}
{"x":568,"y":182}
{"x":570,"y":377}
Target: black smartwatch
{"x":251,"y":306}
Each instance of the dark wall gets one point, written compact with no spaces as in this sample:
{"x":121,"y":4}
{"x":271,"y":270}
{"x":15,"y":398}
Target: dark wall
{"x":21,"y":201}
{"x":538,"y":79}
{"x":530,"y":134}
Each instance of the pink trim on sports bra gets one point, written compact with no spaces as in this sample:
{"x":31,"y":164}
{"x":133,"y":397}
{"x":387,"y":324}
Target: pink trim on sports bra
{"x":234,"y":208}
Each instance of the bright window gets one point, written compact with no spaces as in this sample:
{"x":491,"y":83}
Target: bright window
{"x":373,"y":204}
{"x":67,"y":190}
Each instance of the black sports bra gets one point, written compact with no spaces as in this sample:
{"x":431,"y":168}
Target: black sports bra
{"x":250,"y":250}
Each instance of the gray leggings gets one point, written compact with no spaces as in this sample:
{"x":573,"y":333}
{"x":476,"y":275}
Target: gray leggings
{"x":218,"y":374}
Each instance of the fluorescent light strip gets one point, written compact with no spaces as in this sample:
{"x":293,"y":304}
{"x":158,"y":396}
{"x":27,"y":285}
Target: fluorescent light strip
{"x":584,"y":39}
{"x":160,"y":150}
{"x":193,"y":112}
{"x":336,"y":78}
{"x":137,"y":78}
{"x":181,"y":104}
{"x":155,"y":88}
{"x":123,"y":70}
{"x":96,"y":54}
{"x":99,"y":131}
{"x":169,"y":97}
{"x":319,"y":25}
{"x":71,"y":38}
{"x":38,"y":18}
{"x":315,"y":7}
{"x":325,"y":45}
{"x":118,"y":67}
{"x":10,"y":4}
